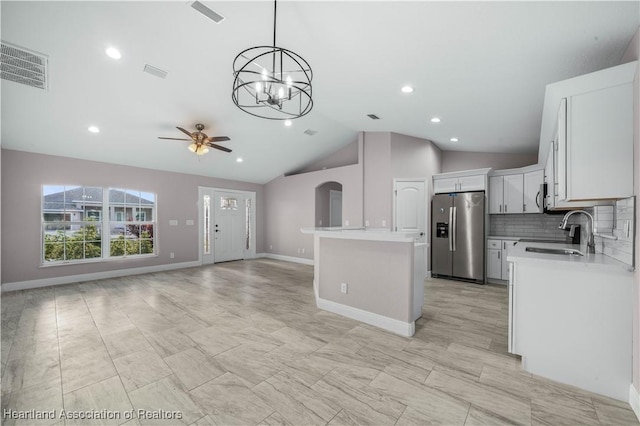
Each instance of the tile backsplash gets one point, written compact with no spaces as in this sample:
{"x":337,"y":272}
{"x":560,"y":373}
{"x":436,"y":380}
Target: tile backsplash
{"x":616,"y":223}
{"x":538,"y":226}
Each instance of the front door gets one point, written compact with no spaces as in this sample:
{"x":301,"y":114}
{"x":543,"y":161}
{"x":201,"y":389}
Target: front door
{"x":229,"y":226}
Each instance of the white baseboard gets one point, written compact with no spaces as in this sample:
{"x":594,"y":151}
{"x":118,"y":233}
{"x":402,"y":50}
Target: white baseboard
{"x":286,"y":258}
{"x":634,"y":400}
{"x":395,"y":326}
{"x":69,"y":279}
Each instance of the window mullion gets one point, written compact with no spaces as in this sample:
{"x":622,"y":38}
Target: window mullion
{"x":106,"y":235}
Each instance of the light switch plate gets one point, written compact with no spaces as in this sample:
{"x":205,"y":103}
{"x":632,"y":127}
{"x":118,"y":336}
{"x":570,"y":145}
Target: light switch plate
{"x":189,"y":222}
{"x":173,"y":222}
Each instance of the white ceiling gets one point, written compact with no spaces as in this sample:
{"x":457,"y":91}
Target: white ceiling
{"x":481,"y":67}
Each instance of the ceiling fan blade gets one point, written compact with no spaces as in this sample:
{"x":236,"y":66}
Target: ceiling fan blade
{"x":221,"y":148}
{"x":217,"y":139}
{"x":174,"y":139}
{"x":185,"y":132}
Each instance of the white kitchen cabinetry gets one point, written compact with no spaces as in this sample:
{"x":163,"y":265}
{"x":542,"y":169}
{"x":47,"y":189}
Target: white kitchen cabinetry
{"x":532,"y":191}
{"x":497,"y":250}
{"x":590,"y":121}
{"x":459,"y":184}
{"x":494,"y":259}
{"x":513,"y":193}
{"x":570,"y":321}
{"x":496,"y":194}
{"x":506,"y":194}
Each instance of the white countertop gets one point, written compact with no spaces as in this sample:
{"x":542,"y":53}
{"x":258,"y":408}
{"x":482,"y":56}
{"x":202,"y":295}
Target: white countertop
{"x":518,"y":253}
{"x":353,"y":233}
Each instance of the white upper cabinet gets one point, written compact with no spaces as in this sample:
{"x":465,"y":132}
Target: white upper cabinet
{"x":600,"y":144}
{"x":470,"y":180}
{"x":592,"y":134}
{"x":496,"y":194}
{"x":532,"y":191}
{"x":472,"y":183}
{"x":513,"y":197}
{"x":445,"y":185}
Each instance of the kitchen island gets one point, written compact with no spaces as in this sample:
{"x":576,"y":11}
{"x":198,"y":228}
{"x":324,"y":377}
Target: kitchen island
{"x":372,"y":275}
{"x":570,"y":317}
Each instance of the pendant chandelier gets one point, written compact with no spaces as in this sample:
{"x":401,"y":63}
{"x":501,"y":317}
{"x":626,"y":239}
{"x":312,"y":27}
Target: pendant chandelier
{"x":272,"y":82}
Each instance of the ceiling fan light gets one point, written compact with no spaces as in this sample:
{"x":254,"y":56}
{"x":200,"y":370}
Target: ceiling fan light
{"x":203,"y":150}
{"x":193,"y":147}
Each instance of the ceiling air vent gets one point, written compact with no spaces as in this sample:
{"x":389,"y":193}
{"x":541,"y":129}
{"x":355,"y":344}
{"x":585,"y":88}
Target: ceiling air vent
{"x":23,"y":66}
{"x":150,"y":69}
{"x":310,"y":132}
{"x":215,"y":17}
{"x":373,"y":116}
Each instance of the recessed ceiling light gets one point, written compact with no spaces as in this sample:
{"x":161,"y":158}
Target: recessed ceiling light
{"x":435,"y":120}
{"x":407,"y":89}
{"x":454,"y":139}
{"x":288,"y":123}
{"x":239,"y":160}
{"x":93,"y":129}
{"x":114,"y":53}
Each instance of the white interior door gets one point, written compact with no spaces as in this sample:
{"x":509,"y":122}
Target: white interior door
{"x":410,"y":207}
{"x":229,"y":226}
{"x":335,"y":208}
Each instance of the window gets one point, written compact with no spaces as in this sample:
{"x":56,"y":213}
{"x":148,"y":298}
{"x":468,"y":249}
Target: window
{"x":228,"y":203}
{"x":131,"y":225}
{"x":69,"y":231}
{"x":73,"y":223}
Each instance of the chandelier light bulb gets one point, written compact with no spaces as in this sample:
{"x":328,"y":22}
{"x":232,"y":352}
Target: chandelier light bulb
{"x":264,"y":74}
{"x":289,"y":81}
{"x":281,"y":93}
{"x":258,"y":87}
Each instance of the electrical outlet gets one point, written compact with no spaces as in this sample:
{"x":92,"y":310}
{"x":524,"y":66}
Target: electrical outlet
{"x":172,"y":255}
{"x":320,"y":222}
{"x":298,"y":249}
{"x":270,"y":247}
{"x":366,"y":223}
{"x":346,"y":222}
{"x":384,"y":223}
{"x":302,"y":250}
{"x":189,"y":222}
{"x":344,"y":288}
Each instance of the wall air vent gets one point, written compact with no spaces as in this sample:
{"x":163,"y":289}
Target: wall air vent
{"x":215,"y":17}
{"x":150,"y":69}
{"x":23,"y":66}
{"x":373,"y":116}
{"x":310,"y":132}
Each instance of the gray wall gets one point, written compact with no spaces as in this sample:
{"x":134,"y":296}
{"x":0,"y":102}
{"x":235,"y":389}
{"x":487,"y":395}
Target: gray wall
{"x":291,"y":206}
{"x":370,"y":288}
{"x":378,"y":179}
{"x":455,"y":161}
{"x":632,"y":54}
{"x":23,"y":175}
{"x":346,"y":156}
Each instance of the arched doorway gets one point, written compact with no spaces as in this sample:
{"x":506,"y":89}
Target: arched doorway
{"x":329,"y":204}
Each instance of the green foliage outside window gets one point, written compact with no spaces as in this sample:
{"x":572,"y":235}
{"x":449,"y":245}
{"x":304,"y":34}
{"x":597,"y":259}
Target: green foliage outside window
{"x":86,"y":243}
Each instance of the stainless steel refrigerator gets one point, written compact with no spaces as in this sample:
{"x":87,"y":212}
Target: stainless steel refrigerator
{"x":457,"y":224}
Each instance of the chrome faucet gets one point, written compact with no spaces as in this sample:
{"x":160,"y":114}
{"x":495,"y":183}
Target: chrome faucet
{"x":591,"y":245}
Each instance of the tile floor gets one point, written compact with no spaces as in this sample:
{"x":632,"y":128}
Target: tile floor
{"x":242,"y":343}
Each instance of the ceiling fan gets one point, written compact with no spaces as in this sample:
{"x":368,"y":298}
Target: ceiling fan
{"x":200,"y":142}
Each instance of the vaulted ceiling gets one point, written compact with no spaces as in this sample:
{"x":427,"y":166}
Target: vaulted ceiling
{"x":481,"y":67}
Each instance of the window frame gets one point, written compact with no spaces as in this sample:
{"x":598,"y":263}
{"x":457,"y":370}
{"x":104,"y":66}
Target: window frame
{"x":103,"y":223}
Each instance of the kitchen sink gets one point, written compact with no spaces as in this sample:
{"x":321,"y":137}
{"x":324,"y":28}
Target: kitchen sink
{"x":563,"y":251}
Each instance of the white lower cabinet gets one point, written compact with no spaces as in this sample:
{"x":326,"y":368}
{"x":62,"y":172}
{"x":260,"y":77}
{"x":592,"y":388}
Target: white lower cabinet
{"x":497,"y":266}
{"x":573,"y":324}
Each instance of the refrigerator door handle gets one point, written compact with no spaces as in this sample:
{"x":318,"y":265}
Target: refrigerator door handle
{"x":455,"y":226}
{"x":450,"y":228}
